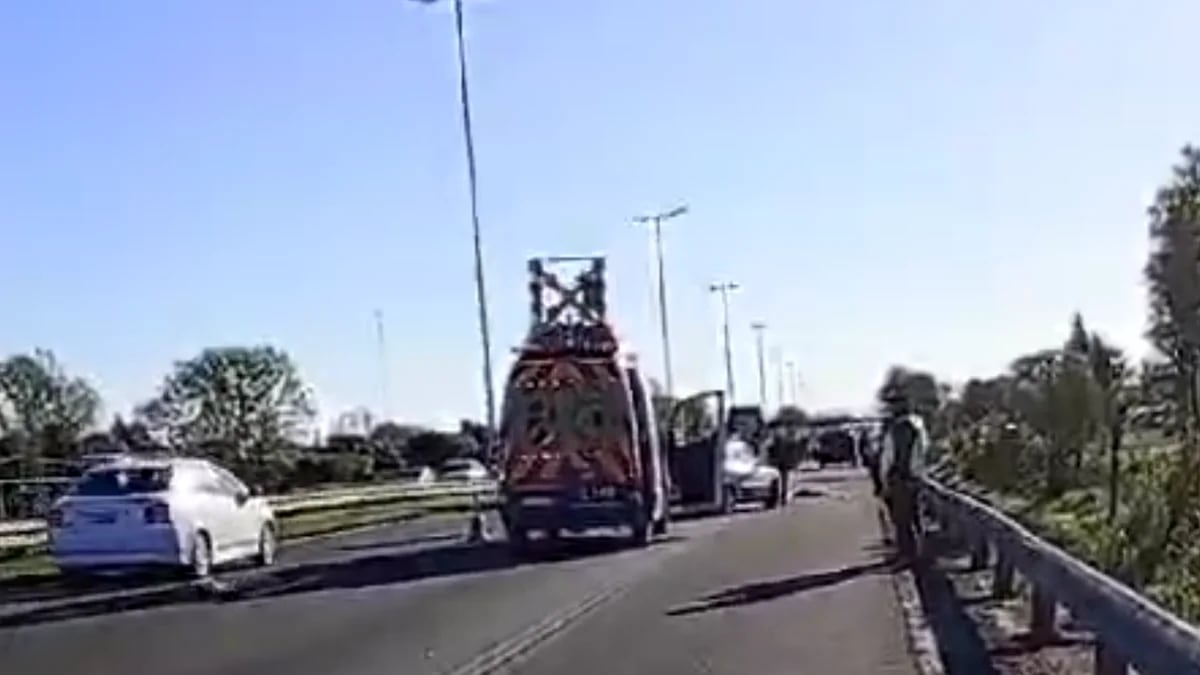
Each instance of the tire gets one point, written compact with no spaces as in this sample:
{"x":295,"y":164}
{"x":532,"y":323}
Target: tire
{"x":640,"y":536}
{"x":775,"y":500}
{"x":661,"y":526}
{"x":518,"y":541}
{"x":200,"y":565}
{"x":268,"y":546}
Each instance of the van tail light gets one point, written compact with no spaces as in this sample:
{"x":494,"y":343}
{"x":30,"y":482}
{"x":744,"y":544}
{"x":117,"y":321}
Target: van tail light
{"x":157,"y":513}
{"x":56,"y":518}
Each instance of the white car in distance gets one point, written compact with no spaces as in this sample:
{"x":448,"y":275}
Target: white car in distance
{"x":464,"y":470}
{"x":143,"y":513}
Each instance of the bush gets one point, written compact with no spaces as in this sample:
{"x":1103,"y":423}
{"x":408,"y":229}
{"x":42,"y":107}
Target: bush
{"x":315,"y":469}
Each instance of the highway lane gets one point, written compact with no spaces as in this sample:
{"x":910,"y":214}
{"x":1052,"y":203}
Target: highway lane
{"x":808,"y":590}
{"x":22,"y":599}
{"x":383,"y":603}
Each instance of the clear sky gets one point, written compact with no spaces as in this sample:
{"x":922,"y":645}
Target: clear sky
{"x":933,"y":183}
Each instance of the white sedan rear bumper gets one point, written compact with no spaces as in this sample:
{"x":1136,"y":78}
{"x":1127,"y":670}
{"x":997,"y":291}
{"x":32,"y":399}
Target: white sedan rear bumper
{"x":152,"y":548}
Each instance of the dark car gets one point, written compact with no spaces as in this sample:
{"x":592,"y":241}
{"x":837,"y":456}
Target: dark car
{"x":834,"y":446}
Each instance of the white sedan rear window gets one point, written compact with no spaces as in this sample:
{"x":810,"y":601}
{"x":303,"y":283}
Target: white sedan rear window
{"x":121,"y":482}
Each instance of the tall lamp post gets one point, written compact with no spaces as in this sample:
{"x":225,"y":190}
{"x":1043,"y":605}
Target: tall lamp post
{"x":657,"y":220}
{"x":469,"y":142}
{"x":724,"y":288}
{"x":758,"y":328}
{"x":777,"y":360}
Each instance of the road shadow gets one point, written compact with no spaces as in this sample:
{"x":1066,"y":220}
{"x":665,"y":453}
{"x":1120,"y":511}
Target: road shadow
{"x":402,"y":542}
{"x":1024,"y":643}
{"x":961,"y":648}
{"x":43,"y":588}
{"x":772,"y":589}
{"x":355,"y":572}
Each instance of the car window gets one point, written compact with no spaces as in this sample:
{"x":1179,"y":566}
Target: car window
{"x":229,"y":483}
{"x":124,"y":481}
{"x":207,"y":481}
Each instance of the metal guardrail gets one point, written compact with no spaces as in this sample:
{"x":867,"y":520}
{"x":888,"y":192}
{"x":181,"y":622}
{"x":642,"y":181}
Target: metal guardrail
{"x":24,"y":533}
{"x":1130,"y":630}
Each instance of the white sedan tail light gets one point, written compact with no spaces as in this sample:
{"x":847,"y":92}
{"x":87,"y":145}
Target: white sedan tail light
{"x":157,"y":513}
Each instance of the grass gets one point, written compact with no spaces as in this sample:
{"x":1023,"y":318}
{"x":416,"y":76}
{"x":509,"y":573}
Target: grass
{"x":34,"y":563}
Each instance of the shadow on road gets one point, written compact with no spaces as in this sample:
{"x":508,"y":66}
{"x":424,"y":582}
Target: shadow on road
{"x":961,"y":648}
{"x":830,"y":476}
{"x":401,"y":543}
{"x":763,"y":591}
{"x":356,"y":572}
{"x":55,"y":587}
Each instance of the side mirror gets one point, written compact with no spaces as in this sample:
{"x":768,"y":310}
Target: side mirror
{"x":241,"y":498}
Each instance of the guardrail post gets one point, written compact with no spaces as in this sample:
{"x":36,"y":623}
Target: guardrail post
{"x":1042,"y":615}
{"x":1002,"y":577}
{"x":1108,"y":661}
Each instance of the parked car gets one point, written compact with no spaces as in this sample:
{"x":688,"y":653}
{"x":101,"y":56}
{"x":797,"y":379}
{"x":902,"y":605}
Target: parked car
{"x":748,"y":478}
{"x":421,"y":475}
{"x":188,"y":514}
{"x":464,"y":470}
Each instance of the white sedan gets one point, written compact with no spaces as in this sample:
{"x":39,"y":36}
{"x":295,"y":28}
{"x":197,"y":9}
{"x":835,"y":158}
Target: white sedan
{"x":183,"y":513}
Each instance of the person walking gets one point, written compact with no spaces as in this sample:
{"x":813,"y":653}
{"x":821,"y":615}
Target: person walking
{"x":901,"y":464}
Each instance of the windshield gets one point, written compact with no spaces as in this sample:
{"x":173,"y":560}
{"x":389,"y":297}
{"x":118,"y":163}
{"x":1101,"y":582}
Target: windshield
{"x":121,"y":482}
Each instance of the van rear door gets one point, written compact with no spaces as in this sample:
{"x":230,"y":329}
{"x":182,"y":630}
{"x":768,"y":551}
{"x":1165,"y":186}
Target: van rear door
{"x":568,"y":426}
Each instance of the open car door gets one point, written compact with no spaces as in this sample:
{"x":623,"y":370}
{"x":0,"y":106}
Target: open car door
{"x":695,"y":441}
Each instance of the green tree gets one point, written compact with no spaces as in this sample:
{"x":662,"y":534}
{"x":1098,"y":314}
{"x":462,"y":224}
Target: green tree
{"x":1110,"y":371}
{"x":43,"y":410}
{"x":433,"y":448}
{"x":918,"y":390}
{"x":242,"y":403}
{"x":390,"y":440}
{"x":1054,"y":395}
{"x":1173,"y":277}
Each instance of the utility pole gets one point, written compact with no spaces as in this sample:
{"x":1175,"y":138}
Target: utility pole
{"x":724,"y":288}
{"x":469,"y":143}
{"x":791,"y":369}
{"x":777,"y":359}
{"x":385,"y":394}
{"x":657,"y":220}
{"x":758,"y":329}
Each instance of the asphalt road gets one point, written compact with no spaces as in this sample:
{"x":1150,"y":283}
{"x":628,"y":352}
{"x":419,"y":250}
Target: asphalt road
{"x":801,"y":590}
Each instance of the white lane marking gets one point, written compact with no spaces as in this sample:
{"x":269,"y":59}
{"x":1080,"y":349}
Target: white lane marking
{"x":507,"y":651}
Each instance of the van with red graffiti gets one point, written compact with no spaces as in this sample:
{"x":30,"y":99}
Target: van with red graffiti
{"x":579,"y":444}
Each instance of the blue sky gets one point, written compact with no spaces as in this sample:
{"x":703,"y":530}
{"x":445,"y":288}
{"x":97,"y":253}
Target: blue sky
{"x":181,"y":174}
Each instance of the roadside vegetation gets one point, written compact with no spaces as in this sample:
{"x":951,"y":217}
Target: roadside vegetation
{"x":245,"y":407}
{"x":1093,"y":451}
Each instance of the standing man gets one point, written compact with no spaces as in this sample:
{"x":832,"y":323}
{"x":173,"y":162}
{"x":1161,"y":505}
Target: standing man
{"x":901,"y":463}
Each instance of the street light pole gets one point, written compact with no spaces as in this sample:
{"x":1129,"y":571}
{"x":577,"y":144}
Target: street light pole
{"x":777,"y":359}
{"x":657,"y":220}
{"x":384,"y":389}
{"x":480,"y":288}
{"x":758,"y":328}
{"x":724,"y":289}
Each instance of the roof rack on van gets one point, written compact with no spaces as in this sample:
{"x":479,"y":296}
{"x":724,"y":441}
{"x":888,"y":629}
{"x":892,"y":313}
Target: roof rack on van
{"x":568,"y":316}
